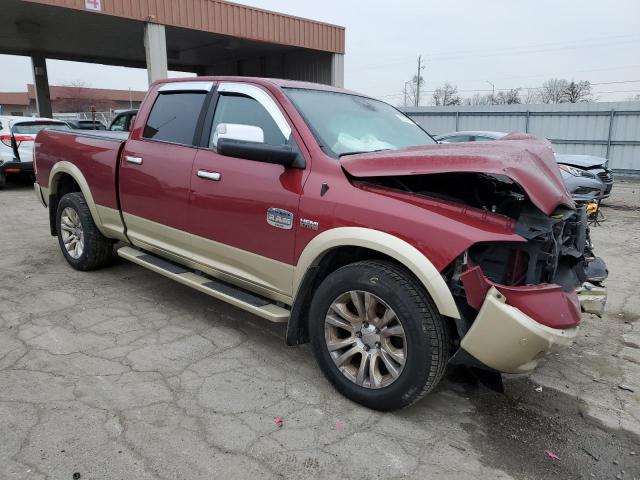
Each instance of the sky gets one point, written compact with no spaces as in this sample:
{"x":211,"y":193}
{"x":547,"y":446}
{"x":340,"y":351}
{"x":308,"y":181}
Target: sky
{"x":475,"y":45}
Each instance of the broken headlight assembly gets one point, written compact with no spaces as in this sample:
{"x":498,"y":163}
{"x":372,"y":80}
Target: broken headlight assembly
{"x":576,"y":172}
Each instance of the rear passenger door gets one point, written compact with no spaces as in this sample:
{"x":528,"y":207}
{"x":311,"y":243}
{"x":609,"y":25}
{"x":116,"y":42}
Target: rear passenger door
{"x":155,"y":169}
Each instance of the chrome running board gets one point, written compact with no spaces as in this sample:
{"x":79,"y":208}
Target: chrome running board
{"x":260,"y":306}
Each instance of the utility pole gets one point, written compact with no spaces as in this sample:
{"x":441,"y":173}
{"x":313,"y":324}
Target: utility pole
{"x":420,"y":67}
{"x":493,"y":91}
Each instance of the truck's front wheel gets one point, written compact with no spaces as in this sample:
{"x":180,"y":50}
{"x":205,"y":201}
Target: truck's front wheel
{"x":82,"y":244}
{"x":377,"y":335}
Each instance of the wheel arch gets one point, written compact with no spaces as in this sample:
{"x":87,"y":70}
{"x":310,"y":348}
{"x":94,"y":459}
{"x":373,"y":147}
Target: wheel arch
{"x":358,"y":243}
{"x":61,"y":173}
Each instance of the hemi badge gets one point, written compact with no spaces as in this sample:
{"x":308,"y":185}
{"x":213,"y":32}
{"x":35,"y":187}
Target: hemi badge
{"x":279,"y":218}
{"x":310,"y":224}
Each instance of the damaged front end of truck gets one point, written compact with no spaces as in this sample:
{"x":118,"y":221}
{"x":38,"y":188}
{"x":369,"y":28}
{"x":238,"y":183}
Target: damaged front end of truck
{"x":517,"y":299}
{"x":541,"y":285}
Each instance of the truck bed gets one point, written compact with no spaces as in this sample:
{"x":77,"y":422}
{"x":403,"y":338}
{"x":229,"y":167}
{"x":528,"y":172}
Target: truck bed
{"x":94,"y":153}
{"x":101,"y":134}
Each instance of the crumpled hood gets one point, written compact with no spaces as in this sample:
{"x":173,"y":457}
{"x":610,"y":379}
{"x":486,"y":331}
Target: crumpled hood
{"x":580,"y":161}
{"x":525,"y":159}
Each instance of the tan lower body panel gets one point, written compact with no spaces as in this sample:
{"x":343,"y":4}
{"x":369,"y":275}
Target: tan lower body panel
{"x":262,"y":275}
{"x":504,"y":338}
{"x":270,"y":312}
{"x":38,"y":190}
{"x":111,"y":222}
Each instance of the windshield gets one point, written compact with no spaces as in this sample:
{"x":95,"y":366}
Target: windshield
{"x":32,"y":128}
{"x":345,"y":124}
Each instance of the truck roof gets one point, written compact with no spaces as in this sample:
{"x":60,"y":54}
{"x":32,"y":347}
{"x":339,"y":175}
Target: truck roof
{"x":277,"y":82}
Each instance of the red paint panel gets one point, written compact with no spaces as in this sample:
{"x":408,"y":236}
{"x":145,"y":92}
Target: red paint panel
{"x":547,"y":304}
{"x":96,"y":158}
{"x":440,"y":234}
{"x":233,"y":210}
{"x":158,"y":189}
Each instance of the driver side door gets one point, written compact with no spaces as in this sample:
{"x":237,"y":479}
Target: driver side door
{"x":233,"y":200}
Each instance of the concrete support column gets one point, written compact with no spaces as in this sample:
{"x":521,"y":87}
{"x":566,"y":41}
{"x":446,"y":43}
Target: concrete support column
{"x":337,"y":70}
{"x":41,"y":84}
{"x":155,"y":47}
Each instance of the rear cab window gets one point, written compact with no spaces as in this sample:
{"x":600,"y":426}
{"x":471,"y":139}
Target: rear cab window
{"x":174,"y":117}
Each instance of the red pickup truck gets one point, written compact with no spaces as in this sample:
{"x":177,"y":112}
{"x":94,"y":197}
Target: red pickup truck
{"x":302,"y":203}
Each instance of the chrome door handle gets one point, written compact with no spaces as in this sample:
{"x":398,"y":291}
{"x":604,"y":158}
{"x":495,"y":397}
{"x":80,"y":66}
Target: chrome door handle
{"x":215,"y":176}
{"x":134,"y":160}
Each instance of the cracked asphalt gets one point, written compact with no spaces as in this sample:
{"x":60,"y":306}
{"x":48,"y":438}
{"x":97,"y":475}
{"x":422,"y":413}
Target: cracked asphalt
{"x":121,"y":373}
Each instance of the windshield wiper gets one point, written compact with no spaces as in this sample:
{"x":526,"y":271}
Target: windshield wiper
{"x":364,"y":151}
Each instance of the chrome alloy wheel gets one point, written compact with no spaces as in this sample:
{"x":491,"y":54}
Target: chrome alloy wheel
{"x":72,"y":234}
{"x":365,"y":339}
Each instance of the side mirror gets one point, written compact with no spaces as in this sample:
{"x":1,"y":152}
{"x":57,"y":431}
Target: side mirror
{"x":260,"y":152}
{"x":236,"y":131}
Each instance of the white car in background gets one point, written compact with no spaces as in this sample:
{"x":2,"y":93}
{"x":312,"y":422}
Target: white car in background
{"x":16,"y":143}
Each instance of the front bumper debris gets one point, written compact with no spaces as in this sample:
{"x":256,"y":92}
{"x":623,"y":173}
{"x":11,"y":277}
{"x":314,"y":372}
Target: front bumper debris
{"x":505,"y":339}
{"x":592,"y":298}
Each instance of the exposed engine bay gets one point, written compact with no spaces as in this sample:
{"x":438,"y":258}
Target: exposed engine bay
{"x":494,"y":193}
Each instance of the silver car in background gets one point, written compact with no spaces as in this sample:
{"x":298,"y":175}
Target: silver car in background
{"x":587,"y":177}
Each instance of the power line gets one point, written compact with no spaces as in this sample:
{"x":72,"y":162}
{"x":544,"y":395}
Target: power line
{"x":478,"y":90}
{"x":546,"y":75}
{"x":516,"y":50}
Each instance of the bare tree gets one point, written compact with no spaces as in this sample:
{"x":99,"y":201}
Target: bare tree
{"x":446,"y":95}
{"x":478,"y":99}
{"x":553,"y":90}
{"x":78,"y":96}
{"x":507,"y":97}
{"x":576,"y":92}
{"x":531,"y":96}
{"x":411,"y":90}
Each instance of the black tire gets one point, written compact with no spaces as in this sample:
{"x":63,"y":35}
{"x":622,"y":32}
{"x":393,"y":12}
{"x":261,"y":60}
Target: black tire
{"x":427,"y":336}
{"x":98,"y":249}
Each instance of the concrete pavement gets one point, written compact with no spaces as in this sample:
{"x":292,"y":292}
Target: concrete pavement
{"x":122,"y":373}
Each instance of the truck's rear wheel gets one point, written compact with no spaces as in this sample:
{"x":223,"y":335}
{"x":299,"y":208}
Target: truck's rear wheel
{"x":82,"y":244}
{"x":377,"y":335}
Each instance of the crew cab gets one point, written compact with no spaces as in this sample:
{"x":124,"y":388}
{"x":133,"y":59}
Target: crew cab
{"x":334,"y":212}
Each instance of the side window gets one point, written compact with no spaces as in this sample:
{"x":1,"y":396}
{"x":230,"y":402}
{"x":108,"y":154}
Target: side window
{"x":243,"y":110}
{"x":174,"y":116}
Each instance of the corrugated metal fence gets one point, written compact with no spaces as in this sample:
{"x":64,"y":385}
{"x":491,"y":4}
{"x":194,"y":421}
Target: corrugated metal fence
{"x":610,"y":130}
